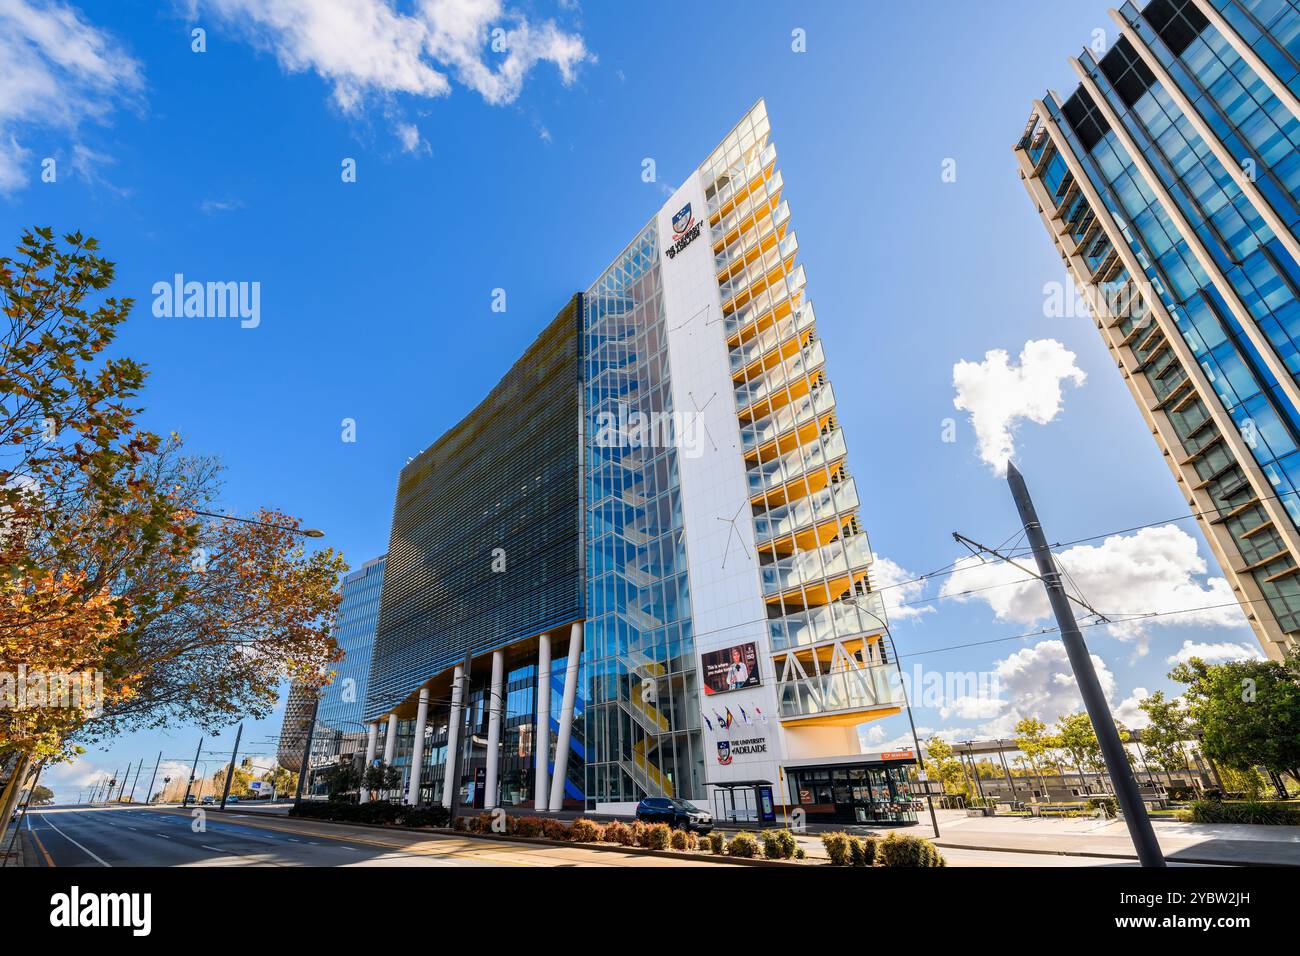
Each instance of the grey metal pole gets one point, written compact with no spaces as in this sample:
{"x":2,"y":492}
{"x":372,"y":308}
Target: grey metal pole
{"x":230,"y":771}
{"x":1015,"y":795}
{"x":193,"y":770}
{"x":306,"y":751}
{"x":136,"y":781}
{"x":1112,"y":750}
{"x":153,"y":776}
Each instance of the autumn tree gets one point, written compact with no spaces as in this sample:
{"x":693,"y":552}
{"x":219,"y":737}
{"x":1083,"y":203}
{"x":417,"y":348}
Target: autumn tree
{"x":106,"y":563}
{"x":941,"y":764}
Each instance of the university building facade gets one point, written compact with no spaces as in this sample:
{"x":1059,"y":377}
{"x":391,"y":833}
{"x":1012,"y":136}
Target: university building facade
{"x":637,"y":568}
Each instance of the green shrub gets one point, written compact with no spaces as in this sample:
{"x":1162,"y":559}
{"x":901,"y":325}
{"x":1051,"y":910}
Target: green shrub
{"x":586,"y":831}
{"x":837,"y":848}
{"x":657,"y":836}
{"x":618,"y":832}
{"x":1246,"y":811}
{"x":1106,"y":805}
{"x":778,"y":844}
{"x":899,"y":850}
{"x":679,"y":841}
{"x":800,"y":853}
{"x":743,"y":845}
{"x":717,"y":843}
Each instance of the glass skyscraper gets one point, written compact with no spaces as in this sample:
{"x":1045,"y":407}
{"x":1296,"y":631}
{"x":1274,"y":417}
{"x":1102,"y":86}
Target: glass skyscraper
{"x":638,"y":569}
{"x":1169,"y":180}
{"x":339,"y":729}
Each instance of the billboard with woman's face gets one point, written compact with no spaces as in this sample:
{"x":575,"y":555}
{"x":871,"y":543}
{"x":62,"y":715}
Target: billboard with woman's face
{"x":731,"y":668}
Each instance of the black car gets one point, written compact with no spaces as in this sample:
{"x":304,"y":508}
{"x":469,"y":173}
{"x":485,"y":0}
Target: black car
{"x":676,"y":813}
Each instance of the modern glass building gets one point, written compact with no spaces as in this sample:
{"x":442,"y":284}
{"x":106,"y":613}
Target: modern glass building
{"x":339,"y":729}
{"x":637,"y":569}
{"x":1169,"y":180}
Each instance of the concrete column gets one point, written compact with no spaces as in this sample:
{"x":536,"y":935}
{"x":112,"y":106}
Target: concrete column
{"x":390,"y":741}
{"x":417,"y":749}
{"x":566,"y":717}
{"x":496,"y":705}
{"x":542,"y":739}
{"x":372,"y":744}
{"x":453,"y":733}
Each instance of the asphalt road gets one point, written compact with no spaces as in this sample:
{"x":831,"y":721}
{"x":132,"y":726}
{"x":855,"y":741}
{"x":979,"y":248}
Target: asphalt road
{"x":154,"y":837}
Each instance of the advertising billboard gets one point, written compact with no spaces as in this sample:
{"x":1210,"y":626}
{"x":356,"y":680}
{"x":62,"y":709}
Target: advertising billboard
{"x":731,"y":668}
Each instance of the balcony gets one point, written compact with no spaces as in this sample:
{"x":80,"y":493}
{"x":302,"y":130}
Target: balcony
{"x":798,"y":463}
{"x":738,"y":178}
{"x":799,"y":366}
{"x":751,"y":237}
{"x":728,"y":224}
{"x":800,"y":412}
{"x":835,"y":621}
{"x":824,"y":505}
{"x":799,"y":320}
{"x":841,"y":697}
{"x":816,"y":565}
{"x":760,"y":273}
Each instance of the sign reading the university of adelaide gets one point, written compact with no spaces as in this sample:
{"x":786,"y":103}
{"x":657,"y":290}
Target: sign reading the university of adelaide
{"x":686,"y":229}
{"x":740,"y":748}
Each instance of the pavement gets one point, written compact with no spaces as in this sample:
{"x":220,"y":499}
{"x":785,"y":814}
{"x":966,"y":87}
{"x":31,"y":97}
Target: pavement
{"x":153,"y":836}
{"x":1219,"y":845}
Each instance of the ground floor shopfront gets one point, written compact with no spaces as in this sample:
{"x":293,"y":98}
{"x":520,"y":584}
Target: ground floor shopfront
{"x":878,"y":791}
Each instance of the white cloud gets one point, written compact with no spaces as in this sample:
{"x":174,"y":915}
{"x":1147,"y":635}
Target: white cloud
{"x":56,"y":71}
{"x":972,"y":708}
{"x":1219,"y":653}
{"x":1037,"y":682}
{"x":903,"y":590}
{"x":373,"y":48}
{"x":1129,"y":715}
{"x":999,"y":395}
{"x":409,"y":134}
{"x":1152,"y":570}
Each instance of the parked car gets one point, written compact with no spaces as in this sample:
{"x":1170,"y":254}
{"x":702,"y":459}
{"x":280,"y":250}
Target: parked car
{"x":676,"y":813}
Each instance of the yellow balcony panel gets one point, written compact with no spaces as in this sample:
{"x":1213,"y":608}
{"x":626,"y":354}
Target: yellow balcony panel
{"x":847,"y":718}
{"x":788,"y":441}
{"x":773,"y":355}
{"x":816,"y":536}
{"x":761,"y":320}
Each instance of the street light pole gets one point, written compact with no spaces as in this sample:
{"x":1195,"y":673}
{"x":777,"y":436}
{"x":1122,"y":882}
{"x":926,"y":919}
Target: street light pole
{"x":189,"y":783}
{"x":306,"y":751}
{"x":1094,"y":700}
{"x":230,"y":771}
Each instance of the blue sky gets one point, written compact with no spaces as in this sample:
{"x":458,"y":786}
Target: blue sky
{"x":479,"y":170}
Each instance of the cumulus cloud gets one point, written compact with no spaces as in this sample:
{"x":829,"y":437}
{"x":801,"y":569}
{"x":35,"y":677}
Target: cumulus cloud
{"x":1219,"y":653}
{"x":57,"y":71}
{"x":374,"y":48}
{"x":903,"y":590}
{"x":999,"y":395}
{"x":1152,"y":570}
{"x":1129,"y":714}
{"x":1038,"y":682}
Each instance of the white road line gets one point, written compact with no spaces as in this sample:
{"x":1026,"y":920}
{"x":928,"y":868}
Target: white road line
{"x":163,"y":836}
{"x":101,"y":862}
{"x":212,"y":848}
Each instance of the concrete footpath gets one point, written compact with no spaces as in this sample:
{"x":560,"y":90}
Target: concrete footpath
{"x":1222,"y":845}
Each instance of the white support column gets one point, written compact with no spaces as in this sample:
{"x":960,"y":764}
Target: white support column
{"x":417,"y":749}
{"x":372,"y":744}
{"x":390,"y":741}
{"x":542,"y":739}
{"x":560,"y":776}
{"x":496,"y":704}
{"x":453,"y":734}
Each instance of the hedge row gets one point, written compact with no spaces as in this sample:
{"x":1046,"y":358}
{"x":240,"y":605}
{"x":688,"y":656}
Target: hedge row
{"x":1247,"y":811}
{"x":771,"y":844}
{"x":377,"y":811}
{"x":845,"y":849}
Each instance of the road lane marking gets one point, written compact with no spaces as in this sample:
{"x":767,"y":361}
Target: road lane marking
{"x":102,"y":862}
{"x":49,"y":860}
{"x":163,"y":836}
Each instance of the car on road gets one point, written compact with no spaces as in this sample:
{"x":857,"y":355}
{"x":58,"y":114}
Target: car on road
{"x":208,"y":801}
{"x":676,"y":813}
{"x":233,"y":798}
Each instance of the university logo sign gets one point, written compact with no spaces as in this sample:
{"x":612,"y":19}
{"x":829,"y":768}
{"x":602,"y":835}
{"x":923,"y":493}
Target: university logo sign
{"x":682,"y":221}
{"x":686,"y":229}
{"x":724,"y":752}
